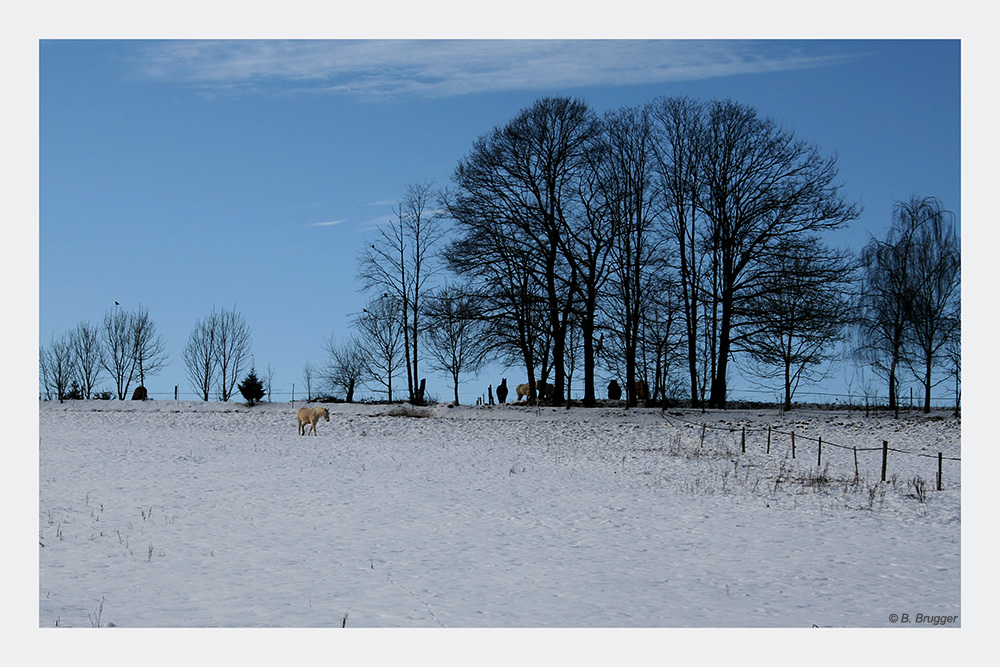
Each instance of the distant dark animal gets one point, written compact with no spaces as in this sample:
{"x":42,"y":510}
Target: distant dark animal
{"x":140,"y":394}
{"x":641,"y":391}
{"x":311,"y":416}
{"x":614,"y":391}
{"x":502,"y":391}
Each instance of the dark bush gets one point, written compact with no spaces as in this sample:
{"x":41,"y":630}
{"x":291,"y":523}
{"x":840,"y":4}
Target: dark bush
{"x":252,"y":388}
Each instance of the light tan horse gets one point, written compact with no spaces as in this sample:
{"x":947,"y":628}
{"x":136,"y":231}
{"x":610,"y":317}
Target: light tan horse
{"x":311,"y":416}
{"x":543,"y":389}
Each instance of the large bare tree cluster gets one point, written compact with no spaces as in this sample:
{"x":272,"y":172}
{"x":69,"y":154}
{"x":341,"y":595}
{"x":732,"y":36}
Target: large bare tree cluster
{"x":661,"y":244}
{"x":663,"y":233}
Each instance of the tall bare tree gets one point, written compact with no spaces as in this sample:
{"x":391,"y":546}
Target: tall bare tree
{"x":401,"y":261}
{"x":148,"y":348}
{"x":56,"y":368}
{"x":457,"y":340}
{"x":680,"y":126}
{"x":632,"y":198}
{"x":118,"y":339}
{"x":761,"y":187}
{"x":345,"y":366}
{"x":909,"y":298}
{"x":200,"y":361}
{"x":380,"y":335}
{"x":935,"y":303}
{"x":232,"y":350}
{"x":509,"y":298}
{"x":521,"y":180}
{"x":800,"y":312}
{"x":87,"y":354}
{"x":308,"y":373}
{"x":590,"y":248}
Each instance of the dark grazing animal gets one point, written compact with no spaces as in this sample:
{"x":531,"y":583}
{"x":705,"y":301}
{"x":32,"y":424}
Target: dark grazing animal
{"x":502,"y":391}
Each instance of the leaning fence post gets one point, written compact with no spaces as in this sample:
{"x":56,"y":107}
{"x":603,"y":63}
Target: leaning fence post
{"x":885,"y":457}
{"x":940,"y":474}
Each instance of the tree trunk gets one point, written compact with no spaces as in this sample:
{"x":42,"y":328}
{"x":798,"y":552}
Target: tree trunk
{"x":589,"y":363}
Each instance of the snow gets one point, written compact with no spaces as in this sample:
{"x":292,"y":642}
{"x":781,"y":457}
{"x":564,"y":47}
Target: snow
{"x":188,"y":514}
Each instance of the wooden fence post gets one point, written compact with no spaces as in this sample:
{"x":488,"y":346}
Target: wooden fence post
{"x":819,"y":452}
{"x":940,"y":472}
{"x":743,"y":441}
{"x":885,"y":457}
{"x":856,"y":475}
{"x":793,"y":444}
{"x":768,"y":438}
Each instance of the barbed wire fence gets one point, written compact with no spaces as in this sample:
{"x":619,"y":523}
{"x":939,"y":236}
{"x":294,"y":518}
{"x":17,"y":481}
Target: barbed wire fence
{"x":820,"y":443}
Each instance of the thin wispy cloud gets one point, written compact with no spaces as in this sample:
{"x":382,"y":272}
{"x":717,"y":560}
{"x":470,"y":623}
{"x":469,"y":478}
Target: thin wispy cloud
{"x":377,"y":69}
{"x":329,"y":223}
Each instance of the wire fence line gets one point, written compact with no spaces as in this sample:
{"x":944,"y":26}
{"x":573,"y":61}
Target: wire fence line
{"x":856,"y":400}
{"x":885,"y":449}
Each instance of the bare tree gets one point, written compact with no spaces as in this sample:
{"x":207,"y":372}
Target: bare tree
{"x":199,"y":356}
{"x":400,"y":262}
{"x":118,"y":339}
{"x":799,"y":315}
{"x":345,"y":366}
{"x":887,"y":293}
{"x":590,"y":241}
{"x":232,"y":349}
{"x":148,"y":347}
{"x":520,"y":181}
{"x":380,"y":334}
{"x":953,"y":350}
{"x":935,"y":304}
{"x":268,"y":381}
{"x":631,"y":196}
{"x":761,"y":187}
{"x":508,"y":297}
{"x":660,"y":336}
{"x":680,"y":125}
{"x":308,"y":373}
{"x":56,"y":368}
{"x":87,"y":354}
{"x":456,"y":333}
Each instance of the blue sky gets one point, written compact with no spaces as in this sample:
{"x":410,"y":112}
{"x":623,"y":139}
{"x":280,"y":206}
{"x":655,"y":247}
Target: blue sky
{"x":187,"y":175}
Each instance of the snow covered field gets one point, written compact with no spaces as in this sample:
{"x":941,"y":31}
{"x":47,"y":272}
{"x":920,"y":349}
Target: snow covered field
{"x":189,"y":514}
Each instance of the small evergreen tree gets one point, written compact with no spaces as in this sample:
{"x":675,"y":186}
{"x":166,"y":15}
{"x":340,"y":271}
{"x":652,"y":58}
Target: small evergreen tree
{"x":252,"y":388}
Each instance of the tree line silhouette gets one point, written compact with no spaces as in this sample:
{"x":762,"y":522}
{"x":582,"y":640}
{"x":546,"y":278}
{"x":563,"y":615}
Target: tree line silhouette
{"x":665,"y":242}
